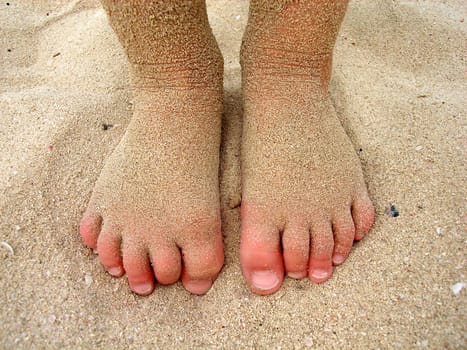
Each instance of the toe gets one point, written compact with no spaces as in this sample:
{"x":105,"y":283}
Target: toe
{"x":296,"y":247}
{"x":166,"y":263}
{"x":260,"y":255}
{"x":89,"y":229}
{"x":321,"y":248}
{"x":344,"y":233}
{"x":201,"y":264}
{"x":138,"y":271}
{"x":363,"y":214}
{"x":108,"y":248}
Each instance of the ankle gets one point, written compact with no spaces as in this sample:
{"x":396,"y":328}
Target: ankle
{"x":201,"y":69}
{"x":291,"y":40}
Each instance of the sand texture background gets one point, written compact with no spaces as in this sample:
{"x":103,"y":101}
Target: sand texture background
{"x":399,"y":87}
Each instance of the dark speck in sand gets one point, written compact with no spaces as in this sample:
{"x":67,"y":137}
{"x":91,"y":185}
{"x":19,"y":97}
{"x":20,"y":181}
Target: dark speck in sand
{"x":106,"y":127}
{"x":393,"y":211}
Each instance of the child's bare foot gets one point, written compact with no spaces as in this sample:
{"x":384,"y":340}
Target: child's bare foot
{"x":154,"y":212}
{"x":304,"y":198}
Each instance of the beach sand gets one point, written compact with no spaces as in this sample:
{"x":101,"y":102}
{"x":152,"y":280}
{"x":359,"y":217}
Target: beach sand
{"x":399,"y":87}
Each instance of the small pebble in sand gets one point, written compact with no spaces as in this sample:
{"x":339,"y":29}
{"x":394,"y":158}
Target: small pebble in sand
{"x":418,"y":148}
{"x":106,"y":126}
{"x":8,"y":247}
{"x":438,"y":230}
{"x":422,"y":343}
{"x":308,"y":341}
{"x":87,"y":279}
{"x":456,"y":288}
{"x":392,"y":210}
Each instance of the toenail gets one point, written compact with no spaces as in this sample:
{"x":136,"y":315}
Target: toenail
{"x":198,"y":286}
{"x":338,"y":259}
{"x":319,"y":273}
{"x":143,"y":288}
{"x":264,"y":280}
{"x":115,"y":271}
{"x":296,"y":275}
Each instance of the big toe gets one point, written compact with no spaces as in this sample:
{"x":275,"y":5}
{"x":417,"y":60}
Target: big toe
{"x":260,"y":257}
{"x":202,"y":264}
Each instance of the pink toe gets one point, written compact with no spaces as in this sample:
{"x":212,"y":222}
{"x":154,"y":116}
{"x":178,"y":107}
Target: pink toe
{"x":363,"y":214}
{"x":198,"y":287}
{"x":321,"y":249}
{"x":344,"y":234}
{"x":138,"y":271}
{"x":264,"y":280}
{"x":296,"y":247}
{"x":108,"y":248}
{"x":89,"y":229}
{"x":260,"y":254}
{"x":166,"y":263}
{"x":202,"y":264}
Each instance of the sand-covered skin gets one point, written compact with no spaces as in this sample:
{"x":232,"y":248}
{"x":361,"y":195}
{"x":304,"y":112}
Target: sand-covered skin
{"x":304,"y":199}
{"x":398,"y":80}
{"x":154,"y":212}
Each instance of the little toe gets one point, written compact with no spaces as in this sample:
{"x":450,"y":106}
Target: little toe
{"x":138,"y":271}
{"x":166,"y":263}
{"x":261,"y":258}
{"x":363,"y":214}
{"x":108,"y":248}
{"x":296,"y":247}
{"x":89,"y":228}
{"x":344,"y":233}
{"x":201,"y":265}
{"x":321,"y":248}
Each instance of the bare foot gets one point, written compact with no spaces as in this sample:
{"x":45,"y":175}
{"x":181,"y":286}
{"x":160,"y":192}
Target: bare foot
{"x":158,"y":194}
{"x":154,"y":212}
{"x":304,"y":199}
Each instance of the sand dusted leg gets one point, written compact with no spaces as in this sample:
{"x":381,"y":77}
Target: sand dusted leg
{"x":304,"y":199}
{"x":154,"y":211}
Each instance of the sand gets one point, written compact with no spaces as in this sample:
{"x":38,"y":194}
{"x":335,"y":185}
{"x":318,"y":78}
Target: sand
{"x":399,"y":89}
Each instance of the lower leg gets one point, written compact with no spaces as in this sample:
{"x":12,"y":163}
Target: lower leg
{"x":288,"y":40}
{"x":304,"y":200}
{"x":154,"y":211}
{"x":170,"y":41}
